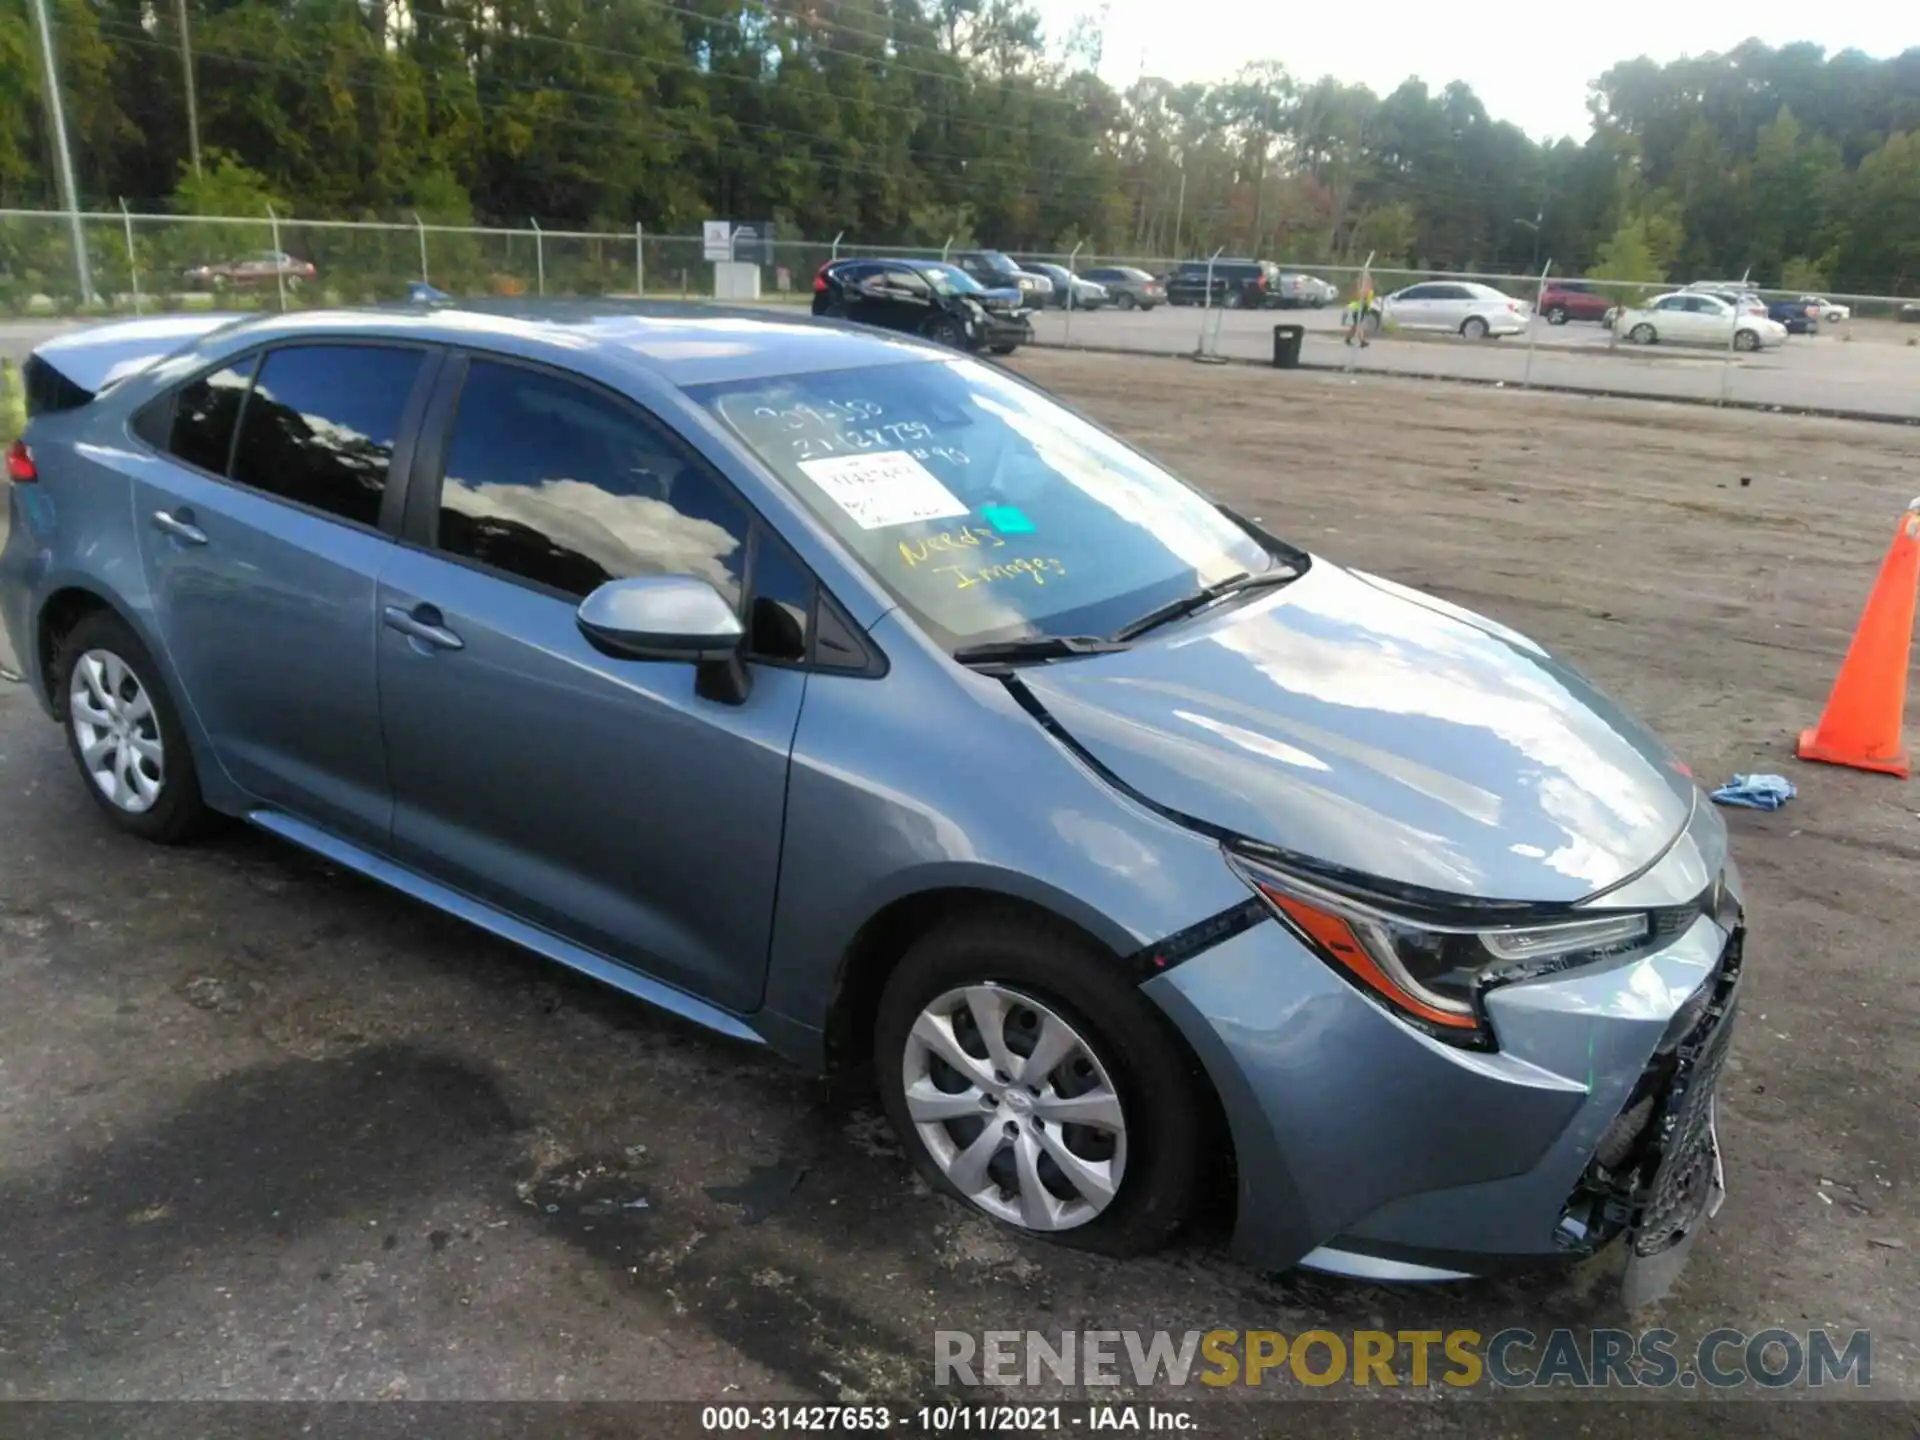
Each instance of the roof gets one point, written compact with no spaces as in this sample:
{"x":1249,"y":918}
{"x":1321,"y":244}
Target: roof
{"x":683,"y":343}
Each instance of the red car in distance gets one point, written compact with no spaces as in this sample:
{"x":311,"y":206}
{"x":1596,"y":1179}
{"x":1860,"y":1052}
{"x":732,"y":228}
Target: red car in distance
{"x":1565,"y":300}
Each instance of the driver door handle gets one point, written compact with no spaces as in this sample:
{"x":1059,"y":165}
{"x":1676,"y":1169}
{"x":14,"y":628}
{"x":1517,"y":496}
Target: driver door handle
{"x":423,"y":623}
{"x":180,"y":526}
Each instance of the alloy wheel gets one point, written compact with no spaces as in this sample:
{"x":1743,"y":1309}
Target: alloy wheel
{"x":117,"y":731}
{"x":1015,"y":1107}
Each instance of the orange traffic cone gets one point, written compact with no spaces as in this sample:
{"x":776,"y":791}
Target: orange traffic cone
{"x":1861,"y":726}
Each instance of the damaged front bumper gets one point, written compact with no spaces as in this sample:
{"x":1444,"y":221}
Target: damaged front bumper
{"x":1368,"y":1149}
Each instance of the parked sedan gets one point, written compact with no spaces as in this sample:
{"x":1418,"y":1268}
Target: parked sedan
{"x":1463,"y":307}
{"x":998,"y":272}
{"x":267,"y":268}
{"x":923,"y":297}
{"x":1564,"y":300}
{"x":1086,"y":293}
{"x":1295,"y":291}
{"x":852,"y":698}
{"x":1129,"y":288}
{"x":1693,"y":317}
{"x":1800,"y":316}
{"x":1832,"y":311}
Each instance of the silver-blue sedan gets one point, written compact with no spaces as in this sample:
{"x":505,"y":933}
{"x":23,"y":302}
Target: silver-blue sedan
{"x":855,"y":698}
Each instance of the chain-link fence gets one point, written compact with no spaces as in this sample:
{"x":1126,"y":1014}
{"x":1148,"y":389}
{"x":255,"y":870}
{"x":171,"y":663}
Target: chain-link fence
{"x":1845,"y":353}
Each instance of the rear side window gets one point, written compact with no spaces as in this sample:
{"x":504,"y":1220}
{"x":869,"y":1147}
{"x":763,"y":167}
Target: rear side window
{"x":562,"y":485}
{"x":203,"y":415}
{"x":320,"y":426}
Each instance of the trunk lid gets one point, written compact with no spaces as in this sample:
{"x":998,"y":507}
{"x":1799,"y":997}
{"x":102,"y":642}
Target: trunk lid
{"x":92,"y":358}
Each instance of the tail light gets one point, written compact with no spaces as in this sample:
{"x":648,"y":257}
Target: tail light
{"x":1259,"y":282}
{"x":820,"y":280}
{"x":20,"y":467}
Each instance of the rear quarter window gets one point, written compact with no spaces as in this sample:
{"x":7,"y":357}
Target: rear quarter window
{"x":47,"y":390}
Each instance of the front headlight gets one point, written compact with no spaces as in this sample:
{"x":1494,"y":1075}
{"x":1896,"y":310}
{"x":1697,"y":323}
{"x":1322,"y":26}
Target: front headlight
{"x":1429,"y":974}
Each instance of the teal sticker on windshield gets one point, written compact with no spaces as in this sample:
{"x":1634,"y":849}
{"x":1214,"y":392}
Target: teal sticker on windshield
{"x":1007,"y":519}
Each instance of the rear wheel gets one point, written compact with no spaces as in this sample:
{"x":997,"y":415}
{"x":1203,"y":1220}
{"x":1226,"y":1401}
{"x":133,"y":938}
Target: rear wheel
{"x":1234,"y":300}
{"x":1556,"y":315}
{"x":124,"y":734}
{"x":1474,"y":328}
{"x":1126,"y":301}
{"x":1746,"y":340}
{"x":1026,"y":1076}
{"x":1643,"y":334}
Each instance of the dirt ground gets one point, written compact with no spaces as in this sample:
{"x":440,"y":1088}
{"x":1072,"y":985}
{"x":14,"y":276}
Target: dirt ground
{"x":270,"y":1132}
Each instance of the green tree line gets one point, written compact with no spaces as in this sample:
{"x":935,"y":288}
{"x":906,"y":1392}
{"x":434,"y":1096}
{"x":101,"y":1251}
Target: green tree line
{"x":910,"y":121}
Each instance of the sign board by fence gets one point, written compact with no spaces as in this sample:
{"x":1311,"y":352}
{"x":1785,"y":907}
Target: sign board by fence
{"x":716,"y":239}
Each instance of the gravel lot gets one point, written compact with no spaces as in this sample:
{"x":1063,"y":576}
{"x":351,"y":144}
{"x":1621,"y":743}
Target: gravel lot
{"x":1867,"y":367}
{"x":268,"y":1131}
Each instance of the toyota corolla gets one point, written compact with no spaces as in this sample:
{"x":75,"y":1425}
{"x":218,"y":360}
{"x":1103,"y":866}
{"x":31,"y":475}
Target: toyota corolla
{"x":857,"y":699}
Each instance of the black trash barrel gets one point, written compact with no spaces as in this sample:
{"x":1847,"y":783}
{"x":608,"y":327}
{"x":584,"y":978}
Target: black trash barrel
{"x":1286,"y":346}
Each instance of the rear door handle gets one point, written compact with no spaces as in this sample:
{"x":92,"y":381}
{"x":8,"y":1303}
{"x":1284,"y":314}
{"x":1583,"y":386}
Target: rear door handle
{"x":180,"y":525}
{"x":423,"y":623}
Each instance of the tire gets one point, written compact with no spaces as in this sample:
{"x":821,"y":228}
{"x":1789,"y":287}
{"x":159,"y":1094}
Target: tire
{"x":1643,"y":334}
{"x":114,"y":671}
{"x":945,"y":330}
{"x":1235,"y":300}
{"x":1003,"y":349}
{"x":1041,"y":981}
{"x":1556,"y":315}
{"x":1473,"y":328}
{"x":1747,"y":340}
{"x":1126,"y":301}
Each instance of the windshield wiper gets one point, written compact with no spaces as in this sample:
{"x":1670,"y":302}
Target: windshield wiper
{"x":1036,"y":647}
{"x":1205,"y":596}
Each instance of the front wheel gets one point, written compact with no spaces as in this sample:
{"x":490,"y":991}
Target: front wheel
{"x":1473,"y":328}
{"x":1642,"y":334}
{"x":1025,"y":1076}
{"x":124,"y":734}
{"x":945,"y":330}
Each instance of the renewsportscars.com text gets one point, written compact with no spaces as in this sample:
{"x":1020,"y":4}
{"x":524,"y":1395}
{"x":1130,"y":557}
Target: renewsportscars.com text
{"x":1514,"y":1358}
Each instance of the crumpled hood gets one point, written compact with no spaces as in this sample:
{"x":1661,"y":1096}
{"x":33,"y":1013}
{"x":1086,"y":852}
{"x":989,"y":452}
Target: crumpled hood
{"x":1371,"y":727}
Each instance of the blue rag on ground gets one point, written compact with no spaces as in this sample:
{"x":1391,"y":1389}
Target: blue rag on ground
{"x":1756,"y":792}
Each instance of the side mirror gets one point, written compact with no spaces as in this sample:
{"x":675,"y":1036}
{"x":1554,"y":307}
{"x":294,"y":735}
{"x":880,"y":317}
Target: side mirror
{"x":670,"y":617}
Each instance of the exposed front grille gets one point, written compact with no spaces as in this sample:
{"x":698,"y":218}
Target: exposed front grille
{"x":1682,"y":1181}
{"x":1654,"y":1167}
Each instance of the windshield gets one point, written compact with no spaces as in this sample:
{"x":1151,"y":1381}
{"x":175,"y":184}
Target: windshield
{"x":949,"y":279}
{"x":993,"y":260}
{"x":988,"y":511}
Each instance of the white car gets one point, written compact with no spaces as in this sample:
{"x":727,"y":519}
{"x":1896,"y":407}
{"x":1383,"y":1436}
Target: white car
{"x":1831,"y":311}
{"x":1475,"y":311}
{"x":1690,"y":318}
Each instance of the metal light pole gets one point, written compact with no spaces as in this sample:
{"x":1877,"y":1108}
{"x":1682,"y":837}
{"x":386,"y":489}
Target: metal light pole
{"x":1260,"y":174}
{"x":69,"y":194}
{"x":1534,"y":226}
{"x":186,"y":65}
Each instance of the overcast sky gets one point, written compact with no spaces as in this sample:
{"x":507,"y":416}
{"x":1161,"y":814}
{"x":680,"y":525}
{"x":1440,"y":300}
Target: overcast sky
{"x":1540,"y":85}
